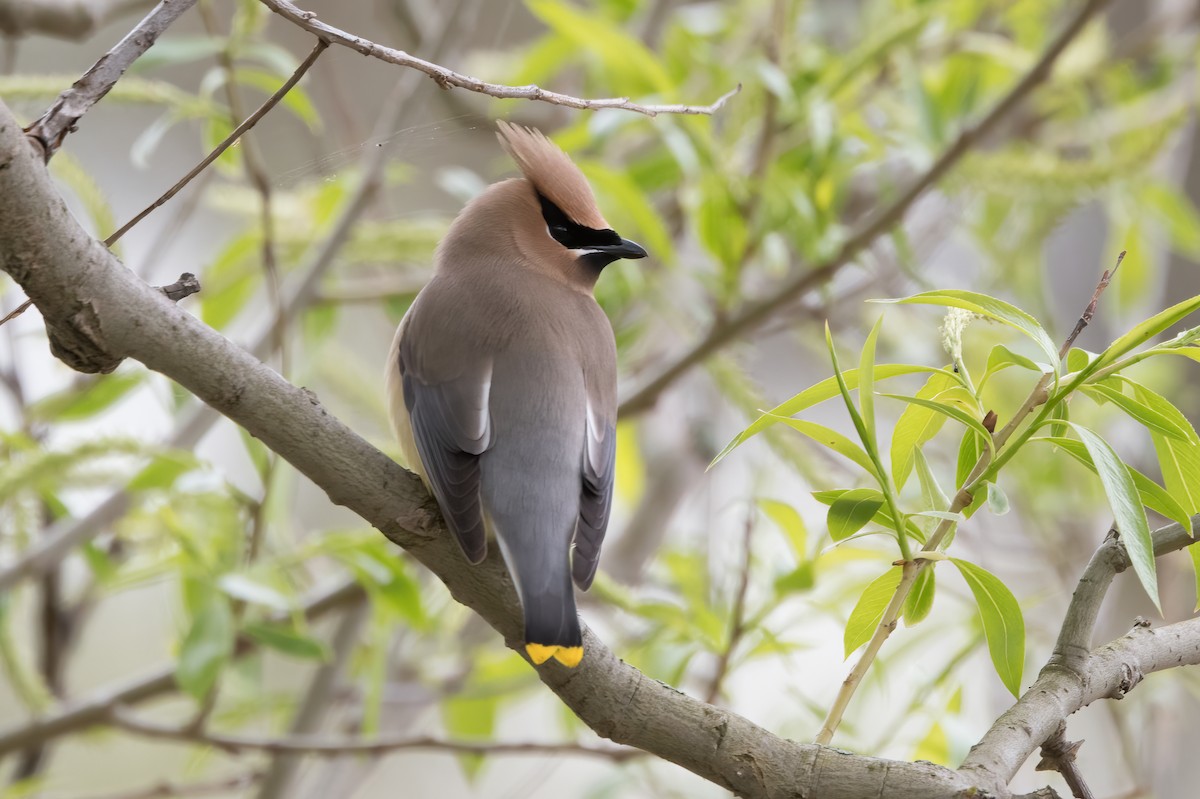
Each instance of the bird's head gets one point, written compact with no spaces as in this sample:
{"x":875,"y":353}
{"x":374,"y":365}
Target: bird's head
{"x":549,"y":219}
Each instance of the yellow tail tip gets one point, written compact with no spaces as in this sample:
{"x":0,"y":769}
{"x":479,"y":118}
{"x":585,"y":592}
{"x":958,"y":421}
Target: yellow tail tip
{"x":569,"y":656}
{"x":540,"y":653}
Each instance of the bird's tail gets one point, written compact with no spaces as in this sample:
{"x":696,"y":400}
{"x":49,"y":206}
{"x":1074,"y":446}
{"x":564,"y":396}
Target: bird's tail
{"x":552,"y":625}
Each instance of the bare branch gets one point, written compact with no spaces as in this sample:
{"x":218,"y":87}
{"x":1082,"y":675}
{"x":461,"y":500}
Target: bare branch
{"x":237,"y":133}
{"x":171,"y":790}
{"x":754,"y":314}
{"x":66,"y":19}
{"x":331,"y":747}
{"x":447,"y":78}
{"x":71,"y":105}
{"x":1058,"y":754}
{"x":1073,"y":679}
{"x":20,"y":309}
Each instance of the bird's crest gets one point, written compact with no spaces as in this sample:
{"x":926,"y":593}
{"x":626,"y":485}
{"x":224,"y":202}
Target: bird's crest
{"x":552,"y":173}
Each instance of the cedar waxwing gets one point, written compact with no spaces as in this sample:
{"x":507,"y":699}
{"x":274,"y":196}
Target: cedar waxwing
{"x":502,"y":384}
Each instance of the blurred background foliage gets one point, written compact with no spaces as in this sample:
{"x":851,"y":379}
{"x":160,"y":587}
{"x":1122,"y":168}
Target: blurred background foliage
{"x":188,"y":547}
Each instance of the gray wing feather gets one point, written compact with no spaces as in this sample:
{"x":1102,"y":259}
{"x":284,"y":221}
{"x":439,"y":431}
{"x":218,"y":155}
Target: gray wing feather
{"x":595,"y":501}
{"x":452,"y":428}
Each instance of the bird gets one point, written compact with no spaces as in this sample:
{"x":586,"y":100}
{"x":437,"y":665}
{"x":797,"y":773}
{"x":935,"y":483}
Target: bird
{"x":502,"y":384}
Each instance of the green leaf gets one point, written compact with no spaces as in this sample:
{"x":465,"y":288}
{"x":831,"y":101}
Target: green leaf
{"x":952,"y":411}
{"x":284,"y":639}
{"x":1177,"y":214}
{"x":920,"y":598}
{"x":162,"y":472}
{"x":932,"y":495}
{"x":246,"y":589}
{"x":789,"y":521}
{"x":825,"y":390}
{"x":1140,"y":412}
{"x":997,"y":500}
{"x":866,"y":382}
{"x":834,"y":440}
{"x":1126,"y":507}
{"x":207,"y":646}
{"x":470,"y":719}
{"x":850,"y":512}
{"x":1001,"y":357}
{"x":1153,"y":496}
{"x":1148,"y":329}
{"x":800,"y":579}
{"x":868,"y":611}
{"x":1003,"y":622}
{"x":916,"y":425}
{"x":969,"y":451}
{"x":100,"y":393}
{"x":990,"y":307}
{"x":1194,"y":553}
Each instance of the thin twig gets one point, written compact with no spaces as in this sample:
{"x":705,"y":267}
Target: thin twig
{"x":754,"y":314}
{"x":256,"y":173}
{"x":59,"y":120}
{"x":912,"y":569}
{"x":737,"y":617}
{"x":447,"y":78}
{"x":170,"y":790}
{"x":1086,"y":317}
{"x":329,"y":747}
{"x":1058,"y":754}
{"x":20,"y":309}
{"x":250,"y":122}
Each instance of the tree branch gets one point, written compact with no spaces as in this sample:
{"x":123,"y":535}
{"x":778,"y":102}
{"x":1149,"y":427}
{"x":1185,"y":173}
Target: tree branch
{"x":1073,"y":679}
{"x":756,"y":313}
{"x":65,"y":19}
{"x":71,"y":105}
{"x":447,"y":78}
{"x":332,"y":747}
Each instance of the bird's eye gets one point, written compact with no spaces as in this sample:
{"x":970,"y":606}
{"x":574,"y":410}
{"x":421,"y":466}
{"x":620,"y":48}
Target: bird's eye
{"x":558,"y":228}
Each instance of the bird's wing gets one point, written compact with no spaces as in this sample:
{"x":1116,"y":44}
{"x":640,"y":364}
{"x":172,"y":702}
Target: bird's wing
{"x":451,"y":426}
{"x":598,"y":467}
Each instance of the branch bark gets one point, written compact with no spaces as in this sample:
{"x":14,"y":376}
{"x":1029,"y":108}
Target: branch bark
{"x":448,"y":78}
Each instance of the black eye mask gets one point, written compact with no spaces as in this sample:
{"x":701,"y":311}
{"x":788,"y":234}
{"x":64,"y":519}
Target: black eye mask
{"x":605,"y":245}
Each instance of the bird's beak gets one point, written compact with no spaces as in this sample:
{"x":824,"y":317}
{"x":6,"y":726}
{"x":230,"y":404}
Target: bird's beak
{"x":624,"y":249}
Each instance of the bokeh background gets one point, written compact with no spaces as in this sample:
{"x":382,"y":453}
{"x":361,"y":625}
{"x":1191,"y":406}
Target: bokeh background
{"x":213,"y":539}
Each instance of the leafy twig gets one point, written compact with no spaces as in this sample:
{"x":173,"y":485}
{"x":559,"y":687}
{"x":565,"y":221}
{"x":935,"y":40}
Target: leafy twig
{"x":754,"y":314}
{"x":59,"y":120}
{"x":448,"y":78}
{"x":911,"y":569}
